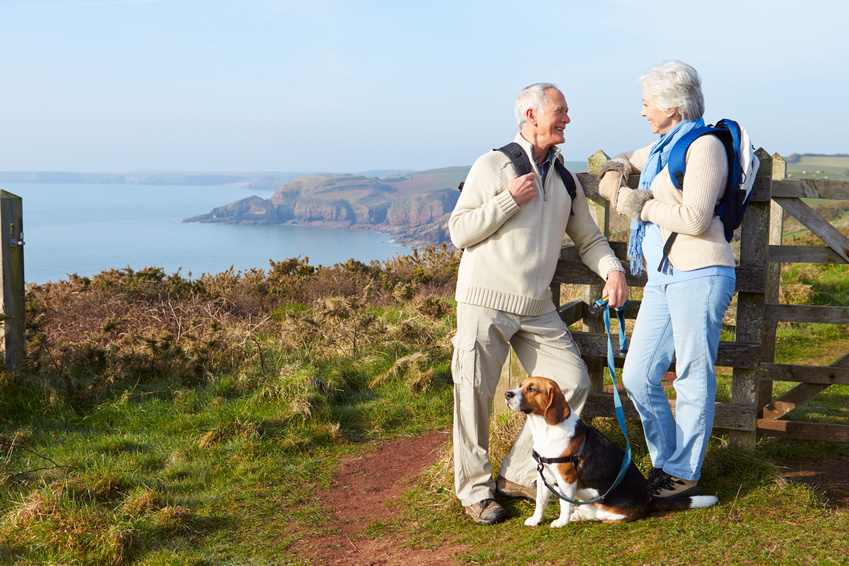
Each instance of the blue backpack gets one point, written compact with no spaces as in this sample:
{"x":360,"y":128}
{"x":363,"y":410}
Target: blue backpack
{"x":742,"y":167}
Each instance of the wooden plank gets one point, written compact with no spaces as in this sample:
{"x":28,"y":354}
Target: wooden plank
{"x":803,"y":431}
{"x":729,"y":354}
{"x":589,"y":182}
{"x":806,"y":313}
{"x":811,"y":188}
{"x":828,"y":375}
{"x":572,"y":312}
{"x":816,"y":224}
{"x":727,"y":415}
{"x":800,"y":394}
{"x":574,"y":272}
{"x":804,"y":254}
{"x":750,"y":279}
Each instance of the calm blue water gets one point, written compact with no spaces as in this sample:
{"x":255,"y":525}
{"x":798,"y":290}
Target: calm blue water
{"x":84,"y":229}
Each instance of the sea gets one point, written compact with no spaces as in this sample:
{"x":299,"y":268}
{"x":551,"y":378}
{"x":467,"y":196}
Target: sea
{"x":84,"y":229}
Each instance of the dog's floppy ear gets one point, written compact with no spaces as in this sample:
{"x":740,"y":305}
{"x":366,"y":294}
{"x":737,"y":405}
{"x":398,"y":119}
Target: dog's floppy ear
{"x":557,"y":410}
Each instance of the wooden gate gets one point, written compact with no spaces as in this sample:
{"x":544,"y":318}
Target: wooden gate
{"x":751,"y":410}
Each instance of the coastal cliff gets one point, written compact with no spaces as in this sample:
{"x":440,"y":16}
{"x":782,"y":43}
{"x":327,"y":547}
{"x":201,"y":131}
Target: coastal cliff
{"x":413,"y":207}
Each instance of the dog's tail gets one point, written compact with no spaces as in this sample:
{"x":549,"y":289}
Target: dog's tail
{"x":662,"y":504}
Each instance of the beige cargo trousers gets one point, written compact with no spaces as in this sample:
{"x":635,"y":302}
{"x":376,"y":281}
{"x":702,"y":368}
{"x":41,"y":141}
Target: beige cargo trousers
{"x":545,"y":348}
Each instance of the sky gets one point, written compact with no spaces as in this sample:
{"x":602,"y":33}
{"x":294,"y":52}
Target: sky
{"x":340,"y":86}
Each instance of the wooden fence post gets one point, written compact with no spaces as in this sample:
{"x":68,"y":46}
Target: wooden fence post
{"x":600,"y":211}
{"x":772,"y":282}
{"x":754,"y":243}
{"x":13,"y":326}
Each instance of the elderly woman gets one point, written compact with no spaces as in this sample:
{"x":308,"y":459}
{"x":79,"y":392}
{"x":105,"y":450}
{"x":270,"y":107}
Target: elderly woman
{"x":688,"y":290}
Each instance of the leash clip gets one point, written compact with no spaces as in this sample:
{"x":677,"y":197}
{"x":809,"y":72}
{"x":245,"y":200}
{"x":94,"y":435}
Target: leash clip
{"x":602,"y":302}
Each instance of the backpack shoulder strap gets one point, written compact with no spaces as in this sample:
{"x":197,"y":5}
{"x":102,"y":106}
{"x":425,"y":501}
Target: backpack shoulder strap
{"x":566,"y":175}
{"x":568,"y":181}
{"x":522,"y":165}
{"x":518,"y":158}
{"x":678,"y":155}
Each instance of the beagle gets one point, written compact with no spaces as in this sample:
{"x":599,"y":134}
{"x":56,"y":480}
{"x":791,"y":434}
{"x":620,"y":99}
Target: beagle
{"x":593,"y":467}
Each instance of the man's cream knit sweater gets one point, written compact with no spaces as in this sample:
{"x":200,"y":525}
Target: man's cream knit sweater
{"x":690,"y":212}
{"x":511,"y":251}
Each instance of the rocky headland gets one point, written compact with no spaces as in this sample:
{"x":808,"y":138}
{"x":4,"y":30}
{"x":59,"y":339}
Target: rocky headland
{"x":414,"y":207}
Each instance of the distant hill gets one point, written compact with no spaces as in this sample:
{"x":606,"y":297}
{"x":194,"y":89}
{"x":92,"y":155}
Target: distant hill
{"x":412,"y":206}
{"x":148,"y":178}
{"x":812,"y":166}
{"x":268,"y":180}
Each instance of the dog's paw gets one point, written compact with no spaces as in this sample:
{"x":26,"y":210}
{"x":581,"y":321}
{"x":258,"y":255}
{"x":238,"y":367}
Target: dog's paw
{"x":577,"y":515}
{"x":533,"y":521}
{"x":559,"y":523}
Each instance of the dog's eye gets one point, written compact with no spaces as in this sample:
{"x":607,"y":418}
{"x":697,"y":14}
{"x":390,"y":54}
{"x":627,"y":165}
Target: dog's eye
{"x":531,"y":389}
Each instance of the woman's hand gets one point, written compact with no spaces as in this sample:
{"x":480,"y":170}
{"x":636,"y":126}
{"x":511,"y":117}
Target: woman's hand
{"x":608,"y":187}
{"x":631,"y":202}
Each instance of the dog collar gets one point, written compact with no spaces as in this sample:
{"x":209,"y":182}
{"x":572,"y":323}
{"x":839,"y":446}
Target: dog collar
{"x":573,"y":459}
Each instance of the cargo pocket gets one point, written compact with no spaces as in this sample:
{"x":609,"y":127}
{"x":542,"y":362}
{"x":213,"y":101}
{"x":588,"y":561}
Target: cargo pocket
{"x":465,"y":368}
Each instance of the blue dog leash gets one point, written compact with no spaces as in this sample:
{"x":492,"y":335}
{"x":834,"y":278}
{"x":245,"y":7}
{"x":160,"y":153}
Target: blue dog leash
{"x":617,"y":404}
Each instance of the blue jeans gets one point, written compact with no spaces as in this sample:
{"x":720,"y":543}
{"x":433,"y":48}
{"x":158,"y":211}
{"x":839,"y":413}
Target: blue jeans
{"x":681,"y":320}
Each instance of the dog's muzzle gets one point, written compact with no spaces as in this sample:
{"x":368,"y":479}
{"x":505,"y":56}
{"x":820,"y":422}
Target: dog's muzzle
{"x":513,"y":398}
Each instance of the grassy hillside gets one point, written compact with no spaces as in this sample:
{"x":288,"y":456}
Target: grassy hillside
{"x":159,"y":420}
{"x":818,"y":166}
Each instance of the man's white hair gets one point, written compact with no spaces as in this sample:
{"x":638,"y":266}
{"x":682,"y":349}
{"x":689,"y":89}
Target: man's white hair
{"x":674,"y":84}
{"x":532,"y":97}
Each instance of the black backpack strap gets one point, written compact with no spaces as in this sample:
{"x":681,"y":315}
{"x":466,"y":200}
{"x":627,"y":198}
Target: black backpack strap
{"x":518,"y":158}
{"x":522,"y":165}
{"x":666,"y":247}
{"x":568,"y":181}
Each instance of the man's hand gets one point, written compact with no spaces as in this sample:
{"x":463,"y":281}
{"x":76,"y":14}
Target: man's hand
{"x":616,"y":289}
{"x":523,"y":188}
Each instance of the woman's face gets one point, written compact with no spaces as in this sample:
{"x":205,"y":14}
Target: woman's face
{"x":661,"y":121}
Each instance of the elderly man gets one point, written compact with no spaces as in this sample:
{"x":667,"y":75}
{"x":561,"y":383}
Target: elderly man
{"x":512,"y":228}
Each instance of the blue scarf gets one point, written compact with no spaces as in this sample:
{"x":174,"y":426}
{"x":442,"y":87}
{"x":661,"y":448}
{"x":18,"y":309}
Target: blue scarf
{"x":658,"y":156}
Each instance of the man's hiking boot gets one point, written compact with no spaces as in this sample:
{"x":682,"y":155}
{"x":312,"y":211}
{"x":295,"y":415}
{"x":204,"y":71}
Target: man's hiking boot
{"x":486,"y":512}
{"x":507,"y":488}
{"x":670,"y":486}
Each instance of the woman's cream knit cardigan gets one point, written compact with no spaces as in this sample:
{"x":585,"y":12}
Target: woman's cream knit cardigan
{"x":511,"y":251}
{"x":690,"y":212}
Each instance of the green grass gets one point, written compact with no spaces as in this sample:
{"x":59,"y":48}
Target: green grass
{"x":112,"y":456}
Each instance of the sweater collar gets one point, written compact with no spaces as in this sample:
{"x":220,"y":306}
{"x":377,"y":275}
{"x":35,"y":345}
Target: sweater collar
{"x":530,"y":150}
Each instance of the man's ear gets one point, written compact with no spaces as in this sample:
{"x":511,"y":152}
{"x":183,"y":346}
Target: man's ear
{"x":531,"y":116}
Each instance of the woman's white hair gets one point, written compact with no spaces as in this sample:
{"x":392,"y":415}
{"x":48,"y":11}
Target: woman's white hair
{"x":674,"y":84}
{"x":533,"y":97}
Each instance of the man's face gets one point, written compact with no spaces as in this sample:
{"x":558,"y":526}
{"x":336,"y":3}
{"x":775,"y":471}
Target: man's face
{"x":553,"y":119}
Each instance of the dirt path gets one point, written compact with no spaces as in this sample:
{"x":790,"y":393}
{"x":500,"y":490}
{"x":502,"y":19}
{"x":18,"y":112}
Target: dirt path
{"x":364,"y":486}
{"x":367,"y":483}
